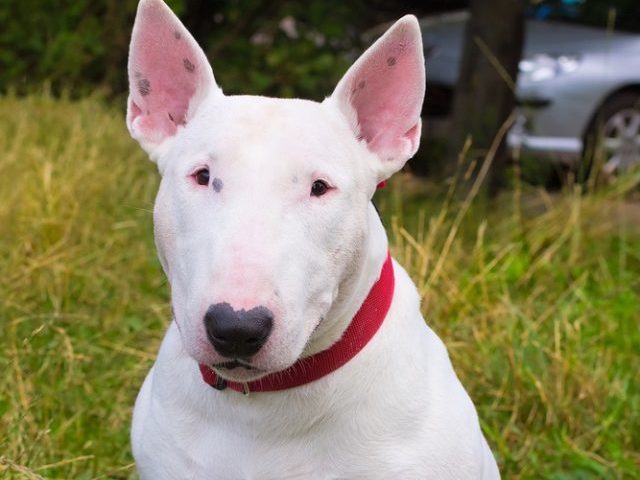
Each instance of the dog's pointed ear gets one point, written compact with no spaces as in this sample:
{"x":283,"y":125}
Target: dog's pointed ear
{"x":169,"y":76}
{"x":382,"y":93}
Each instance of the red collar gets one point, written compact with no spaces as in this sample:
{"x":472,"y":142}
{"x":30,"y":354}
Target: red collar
{"x":306,"y":370}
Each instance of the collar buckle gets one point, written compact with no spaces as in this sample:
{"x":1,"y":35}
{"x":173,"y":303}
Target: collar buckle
{"x":220,"y":384}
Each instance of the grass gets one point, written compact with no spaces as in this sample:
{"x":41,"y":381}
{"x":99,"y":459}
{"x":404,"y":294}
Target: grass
{"x":537,"y":298}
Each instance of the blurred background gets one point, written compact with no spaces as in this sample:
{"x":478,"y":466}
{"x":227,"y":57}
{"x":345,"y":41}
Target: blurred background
{"x":572,"y":66}
{"x":518,"y":220}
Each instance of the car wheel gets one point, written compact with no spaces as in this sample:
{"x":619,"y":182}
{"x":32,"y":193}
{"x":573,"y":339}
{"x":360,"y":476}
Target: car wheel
{"x":612,"y":142}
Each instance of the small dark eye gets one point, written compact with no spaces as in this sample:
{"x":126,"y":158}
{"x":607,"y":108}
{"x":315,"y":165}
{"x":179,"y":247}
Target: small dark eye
{"x":202,"y":176}
{"x":319,"y":188}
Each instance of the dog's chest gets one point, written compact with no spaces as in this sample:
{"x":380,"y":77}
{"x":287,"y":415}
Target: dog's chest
{"x":255,"y":458}
{"x":333,"y":448}
{"x":280,"y":445}
{"x":328,"y":432}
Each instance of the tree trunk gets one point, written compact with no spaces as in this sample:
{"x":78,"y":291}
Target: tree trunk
{"x":485,"y":94}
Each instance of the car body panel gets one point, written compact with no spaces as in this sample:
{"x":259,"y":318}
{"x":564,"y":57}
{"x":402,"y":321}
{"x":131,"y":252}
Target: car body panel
{"x":555,"y":113}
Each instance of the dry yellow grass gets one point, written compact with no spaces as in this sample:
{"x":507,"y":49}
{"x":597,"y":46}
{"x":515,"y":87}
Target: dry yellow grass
{"x":539,"y":305}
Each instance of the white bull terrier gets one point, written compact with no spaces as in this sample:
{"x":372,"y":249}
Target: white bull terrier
{"x":297,"y":348}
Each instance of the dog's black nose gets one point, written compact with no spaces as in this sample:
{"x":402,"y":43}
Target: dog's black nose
{"x":237,"y":333}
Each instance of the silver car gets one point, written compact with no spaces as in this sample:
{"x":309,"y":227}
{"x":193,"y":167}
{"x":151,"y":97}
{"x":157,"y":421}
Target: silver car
{"x":574,"y":83}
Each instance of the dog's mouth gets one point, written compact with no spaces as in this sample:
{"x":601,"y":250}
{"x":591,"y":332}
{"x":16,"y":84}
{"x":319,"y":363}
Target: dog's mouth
{"x":237,"y":371}
{"x":233,"y":364}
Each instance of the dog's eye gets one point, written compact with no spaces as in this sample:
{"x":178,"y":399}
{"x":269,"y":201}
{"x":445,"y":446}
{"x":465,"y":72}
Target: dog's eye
{"x":319,"y":188}
{"x":202,"y":176}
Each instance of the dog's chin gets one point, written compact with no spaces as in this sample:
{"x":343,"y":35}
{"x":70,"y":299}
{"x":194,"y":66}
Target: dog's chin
{"x":237,"y":371}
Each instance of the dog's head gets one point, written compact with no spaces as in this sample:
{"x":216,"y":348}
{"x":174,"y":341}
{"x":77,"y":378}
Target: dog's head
{"x":262,"y":218}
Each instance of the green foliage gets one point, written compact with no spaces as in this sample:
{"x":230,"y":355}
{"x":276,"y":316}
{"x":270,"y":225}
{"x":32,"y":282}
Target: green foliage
{"x":67,"y":43}
{"x":536,"y":299}
{"x":79,"y":45}
{"x":258,"y":56}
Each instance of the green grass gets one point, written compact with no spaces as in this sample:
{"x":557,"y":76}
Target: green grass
{"x":537,"y":299}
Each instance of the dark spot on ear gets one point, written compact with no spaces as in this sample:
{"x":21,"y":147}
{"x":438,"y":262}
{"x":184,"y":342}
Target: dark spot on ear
{"x":144,"y":87}
{"x":188,"y":66}
{"x":391,"y":61}
{"x":294,"y":179}
{"x":217,"y":184}
{"x":178,"y":121}
{"x":137,"y":74}
{"x":177,"y":34}
{"x":362,"y":84}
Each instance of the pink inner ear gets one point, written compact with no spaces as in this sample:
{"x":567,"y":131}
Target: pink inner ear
{"x":166,"y":70}
{"x":386,"y":89}
{"x":387,"y":96}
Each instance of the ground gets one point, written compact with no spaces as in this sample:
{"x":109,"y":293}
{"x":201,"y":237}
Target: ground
{"x":536,"y":296}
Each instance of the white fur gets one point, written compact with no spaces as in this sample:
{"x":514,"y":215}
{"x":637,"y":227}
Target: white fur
{"x":396,"y":410}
